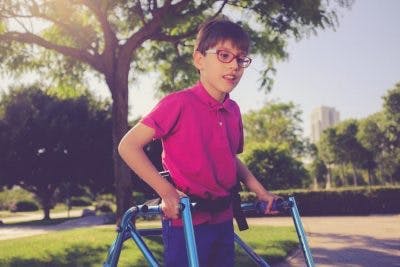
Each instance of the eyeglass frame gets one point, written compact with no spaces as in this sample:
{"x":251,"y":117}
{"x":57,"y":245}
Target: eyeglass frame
{"x":237,"y":57}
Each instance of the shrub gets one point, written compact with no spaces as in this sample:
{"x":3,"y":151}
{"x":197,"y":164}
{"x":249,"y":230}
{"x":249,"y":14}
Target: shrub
{"x":139,"y":197}
{"x":80,"y":201}
{"x":24,"y":205}
{"x":357,"y":201}
{"x":8,"y":197}
{"x":106,"y":197}
{"x":104,"y":206}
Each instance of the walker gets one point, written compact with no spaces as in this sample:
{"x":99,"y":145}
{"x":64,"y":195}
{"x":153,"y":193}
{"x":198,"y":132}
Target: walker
{"x":127,"y":230}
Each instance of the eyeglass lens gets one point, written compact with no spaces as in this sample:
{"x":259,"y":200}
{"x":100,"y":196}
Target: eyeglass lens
{"x":227,"y":57}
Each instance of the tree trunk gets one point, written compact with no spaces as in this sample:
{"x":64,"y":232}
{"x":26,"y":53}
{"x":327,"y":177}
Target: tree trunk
{"x":122,"y":174}
{"x":46,"y":213}
{"x":45,"y":194}
{"x":315,"y":183}
{"x":343,"y":175}
{"x":328,"y":184}
{"x":354,"y":175}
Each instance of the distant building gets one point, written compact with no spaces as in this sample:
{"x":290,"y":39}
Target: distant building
{"x":322,"y":118}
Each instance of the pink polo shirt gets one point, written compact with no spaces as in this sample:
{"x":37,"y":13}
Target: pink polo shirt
{"x":200,"y":138}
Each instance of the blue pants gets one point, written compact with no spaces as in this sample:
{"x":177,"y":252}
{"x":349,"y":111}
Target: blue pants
{"x":215,"y":245}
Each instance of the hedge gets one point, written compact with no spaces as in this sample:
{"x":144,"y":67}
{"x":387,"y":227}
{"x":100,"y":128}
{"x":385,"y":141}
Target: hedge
{"x":24,"y":205}
{"x":358,"y":201}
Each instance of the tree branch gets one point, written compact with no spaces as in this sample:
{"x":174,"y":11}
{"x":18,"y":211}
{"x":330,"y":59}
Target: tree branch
{"x":172,"y":38}
{"x":148,"y":29}
{"x":102,"y":18}
{"x":30,"y":38}
{"x":110,"y":38}
{"x":139,"y":10}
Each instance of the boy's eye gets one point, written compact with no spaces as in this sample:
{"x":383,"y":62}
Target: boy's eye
{"x":242,"y":60}
{"x":225,"y":56}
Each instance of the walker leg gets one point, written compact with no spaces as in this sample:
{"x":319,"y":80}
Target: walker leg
{"x":301,"y":233}
{"x":189,"y":233}
{"x":127,"y":228}
{"x":257,"y":259}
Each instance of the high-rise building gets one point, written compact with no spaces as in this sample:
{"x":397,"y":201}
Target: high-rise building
{"x":321,"y":118}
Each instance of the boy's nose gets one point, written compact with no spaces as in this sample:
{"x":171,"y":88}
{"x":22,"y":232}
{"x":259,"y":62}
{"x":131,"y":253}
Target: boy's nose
{"x":234,"y":64}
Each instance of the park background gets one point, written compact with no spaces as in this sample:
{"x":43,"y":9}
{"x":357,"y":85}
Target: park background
{"x":351,"y":69}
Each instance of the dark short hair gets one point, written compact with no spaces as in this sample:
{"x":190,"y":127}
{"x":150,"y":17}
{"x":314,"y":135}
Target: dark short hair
{"x":219,"y":30}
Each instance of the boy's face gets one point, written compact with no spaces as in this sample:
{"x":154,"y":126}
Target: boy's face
{"x":219,"y":78}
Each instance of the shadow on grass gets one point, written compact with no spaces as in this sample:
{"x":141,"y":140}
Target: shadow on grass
{"x":77,"y":255}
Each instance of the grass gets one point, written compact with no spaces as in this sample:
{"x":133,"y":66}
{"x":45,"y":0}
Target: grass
{"x":89,"y":246}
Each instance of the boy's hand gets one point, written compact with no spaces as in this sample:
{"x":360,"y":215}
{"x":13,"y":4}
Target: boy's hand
{"x":269,"y":198}
{"x":170,"y":204}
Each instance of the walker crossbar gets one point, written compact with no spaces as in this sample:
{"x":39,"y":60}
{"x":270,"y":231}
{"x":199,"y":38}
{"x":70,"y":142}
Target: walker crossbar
{"x":127,"y":230}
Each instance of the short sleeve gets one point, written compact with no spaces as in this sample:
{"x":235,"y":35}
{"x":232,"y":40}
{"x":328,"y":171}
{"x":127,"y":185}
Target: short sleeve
{"x":241,"y":135}
{"x":164,"y":116}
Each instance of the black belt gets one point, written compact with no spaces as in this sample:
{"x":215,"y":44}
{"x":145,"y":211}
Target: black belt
{"x":219,"y":204}
{"x":215,"y":205}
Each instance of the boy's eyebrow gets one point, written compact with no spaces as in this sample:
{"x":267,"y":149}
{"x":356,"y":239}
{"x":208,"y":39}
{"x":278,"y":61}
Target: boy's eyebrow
{"x":241,"y":52}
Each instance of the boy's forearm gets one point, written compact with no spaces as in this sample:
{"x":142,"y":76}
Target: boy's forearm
{"x":131,"y":151}
{"x":249,"y":179}
{"x":138,"y":161}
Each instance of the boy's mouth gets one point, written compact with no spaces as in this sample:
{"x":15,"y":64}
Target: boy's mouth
{"x":230,"y":77}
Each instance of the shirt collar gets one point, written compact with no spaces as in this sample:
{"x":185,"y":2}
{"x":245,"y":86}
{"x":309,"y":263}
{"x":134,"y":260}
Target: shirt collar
{"x":211,"y":102}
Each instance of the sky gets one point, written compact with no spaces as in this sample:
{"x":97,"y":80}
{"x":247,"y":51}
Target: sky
{"x":349,"y":68}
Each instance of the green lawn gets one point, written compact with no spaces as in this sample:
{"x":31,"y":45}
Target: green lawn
{"x":89,"y":246}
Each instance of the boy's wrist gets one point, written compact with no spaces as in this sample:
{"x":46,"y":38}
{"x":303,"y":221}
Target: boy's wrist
{"x":166,"y":189}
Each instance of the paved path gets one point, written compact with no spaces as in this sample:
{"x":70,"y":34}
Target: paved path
{"x":10,"y":232}
{"x":351,"y":241}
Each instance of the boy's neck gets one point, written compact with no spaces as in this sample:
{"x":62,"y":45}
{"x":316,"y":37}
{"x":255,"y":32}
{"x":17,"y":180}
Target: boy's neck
{"x":218,"y":96}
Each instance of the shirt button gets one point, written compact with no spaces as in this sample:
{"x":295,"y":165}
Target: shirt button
{"x":220,"y":123}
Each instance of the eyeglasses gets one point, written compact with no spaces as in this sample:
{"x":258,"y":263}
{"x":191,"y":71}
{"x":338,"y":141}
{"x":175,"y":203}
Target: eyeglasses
{"x":228,"y":57}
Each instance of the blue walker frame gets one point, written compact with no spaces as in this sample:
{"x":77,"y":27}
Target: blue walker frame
{"x":127,"y":230}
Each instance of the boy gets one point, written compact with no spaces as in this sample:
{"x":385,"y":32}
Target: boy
{"x":201,"y":132}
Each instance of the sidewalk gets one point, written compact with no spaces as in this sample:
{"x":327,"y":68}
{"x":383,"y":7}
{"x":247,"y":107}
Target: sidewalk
{"x":10,"y":232}
{"x":347,"y":241}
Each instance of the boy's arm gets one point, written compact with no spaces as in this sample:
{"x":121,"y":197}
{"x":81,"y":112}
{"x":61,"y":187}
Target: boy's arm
{"x":131,"y":150}
{"x":255,"y":186}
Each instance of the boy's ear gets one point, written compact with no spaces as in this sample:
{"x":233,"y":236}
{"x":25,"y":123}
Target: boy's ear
{"x":198,"y":59}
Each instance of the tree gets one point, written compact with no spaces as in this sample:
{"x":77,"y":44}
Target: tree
{"x":113,"y":37}
{"x":391,"y":109}
{"x":371,"y":136}
{"x":47,"y":141}
{"x":350,"y":149}
{"x":327,"y":148}
{"x":278,"y":123}
{"x":318,"y":170}
{"x":274,"y":166}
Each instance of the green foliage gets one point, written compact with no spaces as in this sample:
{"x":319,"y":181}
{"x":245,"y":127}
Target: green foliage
{"x":88,"y":247}
{"x":345,"y":201}
{"x":392,"y":104}
{"x":274,"y":166}
{"x":370,"y":145}
{"x":318,"y":170}
{"x":13,"y":195}
{"x":80,"y":201}
{"x":24,"y":205}
{"x":104,"y":206}
{"x":86,"y":30}
{"x":278,"y":123}
{"x":47,"y":141}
